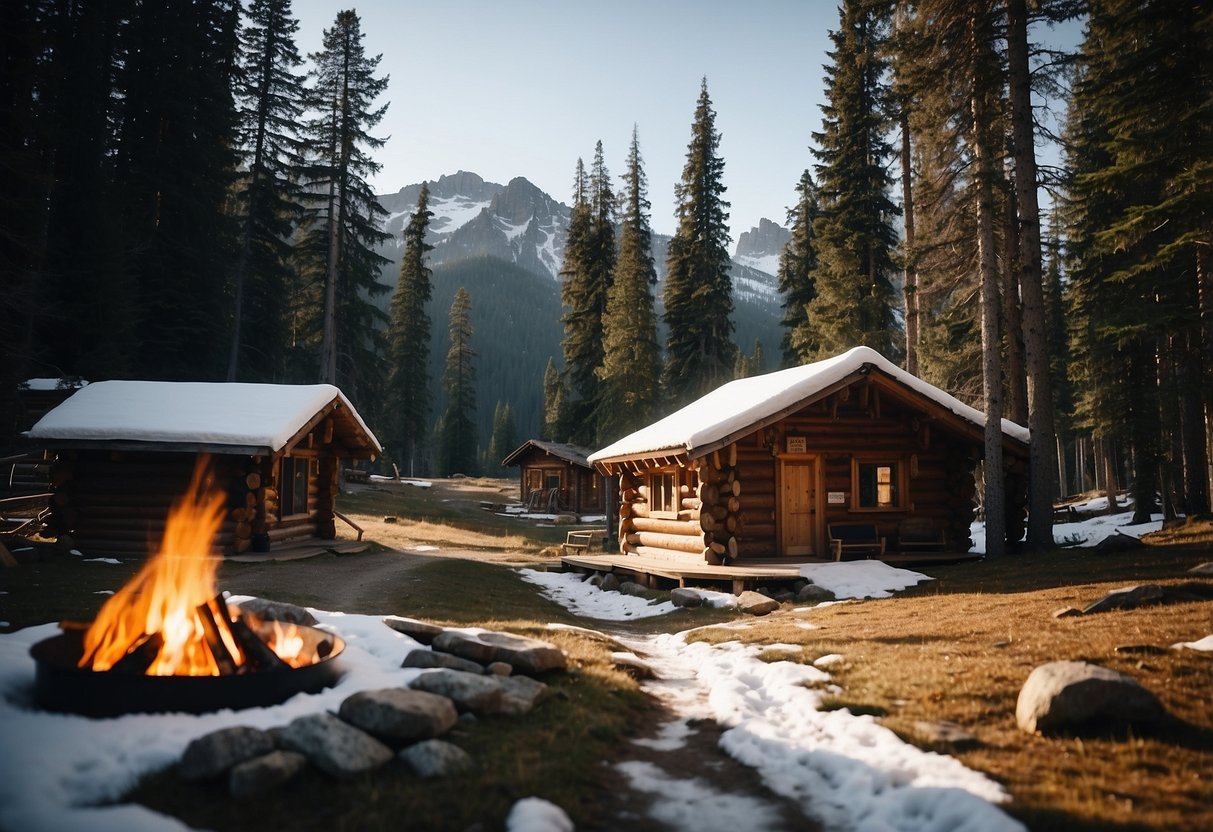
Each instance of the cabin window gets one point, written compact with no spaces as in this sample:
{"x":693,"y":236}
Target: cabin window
{"x":292,"y":497}
{"x":877,"y":484}
{"x":663,"y":493}
{"x":551,"y":480}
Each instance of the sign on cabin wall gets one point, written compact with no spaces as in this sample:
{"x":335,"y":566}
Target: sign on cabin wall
{"x":797,"y":445}
{"x":836,"y":498}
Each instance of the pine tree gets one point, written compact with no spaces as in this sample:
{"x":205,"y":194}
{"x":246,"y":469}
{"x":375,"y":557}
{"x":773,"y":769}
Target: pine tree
{"x":631,"y":365}
{"x":700,"y":351}
{"x":1138,"y":201}
{"x":338,"y":261}
{"x":503,"y":441}
{"x":589,"y":263}
{"x":854,"y":235}
{"x":797,"y":263}
{"x":457,"y":442}
{"x":270,"y":102}
{"x":175,"y":162}
{"x":407,"y":389}
{"x":555,"y":394}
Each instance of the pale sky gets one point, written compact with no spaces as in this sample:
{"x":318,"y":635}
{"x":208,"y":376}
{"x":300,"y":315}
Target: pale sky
{"x":509,"y":88}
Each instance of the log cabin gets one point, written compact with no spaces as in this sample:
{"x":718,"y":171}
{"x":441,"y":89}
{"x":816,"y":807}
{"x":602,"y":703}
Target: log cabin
{"x":763,"y":467}
{"x":560,"y":474}
{"x":122,"y":452}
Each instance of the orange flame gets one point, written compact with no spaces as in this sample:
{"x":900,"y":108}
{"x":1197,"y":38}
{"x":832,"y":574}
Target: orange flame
{"x":163,"y":598}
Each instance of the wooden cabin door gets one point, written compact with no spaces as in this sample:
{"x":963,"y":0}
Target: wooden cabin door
{"x":798,"y":507}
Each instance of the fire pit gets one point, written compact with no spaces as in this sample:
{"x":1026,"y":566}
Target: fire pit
{"x":168,"y":642}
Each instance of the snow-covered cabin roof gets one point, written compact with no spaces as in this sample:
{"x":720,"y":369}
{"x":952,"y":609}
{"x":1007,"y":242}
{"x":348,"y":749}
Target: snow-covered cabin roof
{"x":747,"y":404}
{"x":570,"y":453}
{"x":189,"y":415}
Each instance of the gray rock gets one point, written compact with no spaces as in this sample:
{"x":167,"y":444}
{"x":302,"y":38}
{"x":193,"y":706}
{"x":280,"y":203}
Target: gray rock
{"x":499,"y":669}
{"x":469,"y":692}
{"x":520,"y":694}
{"x":1119,"y":542}
{"x":685,"y":597}
{"x":946,"y":733}
{"x":755,"y":603}
{"x":633,"y":588}
{"x":335,"y":746}
{"x":215,"y":753}
{"x":526,"y":655}
{"x":609,"y":583}
{"x":268,"y":610}
{"x":1205,"y":568}
{"x":1127,"y":599}
{"x":435,"y":758}
{"x":419,"y":631}
{"x":784,"y":596}
{"x":260,"y":774}
{"x":813,"y":594}
{"x":1067,"y":696}
{"x":400,"y":714}
{"x":434,"y":658}
{"x":1067,"y":612}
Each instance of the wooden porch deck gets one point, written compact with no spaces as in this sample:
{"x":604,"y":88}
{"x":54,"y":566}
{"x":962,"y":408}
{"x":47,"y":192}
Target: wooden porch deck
{"x":742,"y":575}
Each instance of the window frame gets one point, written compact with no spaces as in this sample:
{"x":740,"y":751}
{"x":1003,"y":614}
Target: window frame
{"x":288,"y":467}
{"x":664,"y":494}
{"x":899,"y":482}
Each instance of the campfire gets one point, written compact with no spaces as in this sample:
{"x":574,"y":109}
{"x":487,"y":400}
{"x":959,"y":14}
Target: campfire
{"x":168,"y":640}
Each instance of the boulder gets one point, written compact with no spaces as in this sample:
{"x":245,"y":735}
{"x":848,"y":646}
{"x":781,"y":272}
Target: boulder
{"x":609,"y":583}
{"x":470,"y":692}
{"x":813,"y":594}
{"x":499,"y":669}
{"x":260,"y":774}
{"x":433,"y":658}
{"x":420,"y":631}
{"x":1067,"y":612}
{"x":268,"y":610}
{"x":1128,"y":598}
{"x":755,"y":603}
{"x":527,"y":655}
{"x":520,"y":694}
{"x":1205,"y":568}
{"x":435,"y":758}
{"x":215,"y":753}
{"x":1119,"y":542}
{"x":1069,"y":696}
{"x":685,"y":598}
{"x":400,"y":714}
{"x":633,"y":588}
{"x":335,"y":746}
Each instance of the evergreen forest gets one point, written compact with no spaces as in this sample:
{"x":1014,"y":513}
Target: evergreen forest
{"x":160,"y":222}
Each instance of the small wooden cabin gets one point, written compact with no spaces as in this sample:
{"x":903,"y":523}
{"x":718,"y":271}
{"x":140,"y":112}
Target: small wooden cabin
{"x":560,"y":475}
{"x":763,"y":467}
{"x":122,"y":452}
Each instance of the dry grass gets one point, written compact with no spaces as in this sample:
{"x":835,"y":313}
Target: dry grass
{"x":958,"y":653}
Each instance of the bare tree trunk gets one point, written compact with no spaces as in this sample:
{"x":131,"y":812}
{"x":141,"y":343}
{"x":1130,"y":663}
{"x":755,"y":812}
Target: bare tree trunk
{"x":1016,"y":375}
{"x":1040,"y":389}
{"x":991,"y":369}
{"x":328,"y":342}
{"x":911,"y":281}
{"x":1109,"y":476}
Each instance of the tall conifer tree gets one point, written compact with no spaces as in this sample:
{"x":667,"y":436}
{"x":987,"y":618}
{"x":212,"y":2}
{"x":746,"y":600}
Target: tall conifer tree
{"x":589,"y":263}
{"x":270,"y":102}
{"x":338,"y":261}
{"x":407,"y":397}
{"x":700,"y":351}
{"x":457,"y":440}
{"x":854,"y":234}
{"x":797,"y":263}
{"x":176,"y":163}
{"x":631,"y":365}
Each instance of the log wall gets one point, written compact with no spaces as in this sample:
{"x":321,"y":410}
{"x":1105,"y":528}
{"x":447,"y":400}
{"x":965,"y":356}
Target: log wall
{"x":730,"y":501}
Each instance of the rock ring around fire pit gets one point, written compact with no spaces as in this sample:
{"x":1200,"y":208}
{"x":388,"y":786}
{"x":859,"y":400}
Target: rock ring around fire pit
{"x":61,"y":685}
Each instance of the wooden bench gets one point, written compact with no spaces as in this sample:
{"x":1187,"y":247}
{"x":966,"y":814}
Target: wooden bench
{"x":919,"y":534}
{"x":857,"y":538}
{"x":582,"y":540}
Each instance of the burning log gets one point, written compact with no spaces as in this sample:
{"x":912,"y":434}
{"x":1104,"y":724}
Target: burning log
{"x":140,"y":656}
{"x":258,"y":654}
{"x":214,"y":638}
